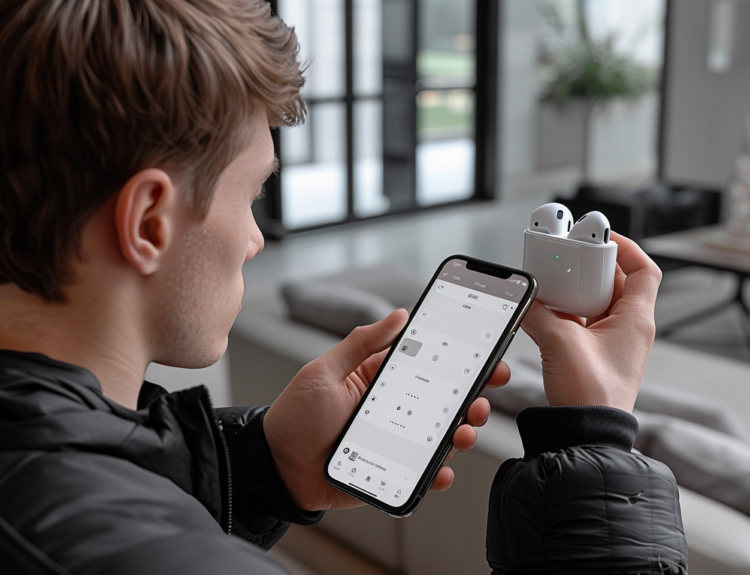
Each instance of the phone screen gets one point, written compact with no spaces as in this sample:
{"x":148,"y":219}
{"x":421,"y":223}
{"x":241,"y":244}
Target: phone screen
{"x":414,"y":400}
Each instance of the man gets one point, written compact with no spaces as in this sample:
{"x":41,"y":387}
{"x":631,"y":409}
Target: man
{"x":133,"y":138}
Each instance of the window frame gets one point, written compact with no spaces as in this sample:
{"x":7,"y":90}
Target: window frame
{"x":268,"y":210}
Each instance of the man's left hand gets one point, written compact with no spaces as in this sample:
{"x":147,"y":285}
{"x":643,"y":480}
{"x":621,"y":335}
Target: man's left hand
{"x":307,"y":418}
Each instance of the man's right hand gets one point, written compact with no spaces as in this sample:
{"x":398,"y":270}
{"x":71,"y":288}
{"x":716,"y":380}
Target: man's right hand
{"x":601,"y":362}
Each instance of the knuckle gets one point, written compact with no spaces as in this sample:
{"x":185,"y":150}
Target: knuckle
{"x":356,"y":333}
{"x":644,"y":324}
{"x":656,"y":272}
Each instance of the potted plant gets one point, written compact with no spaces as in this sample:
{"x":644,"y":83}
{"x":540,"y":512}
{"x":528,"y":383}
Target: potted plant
{"x":578,"y":67}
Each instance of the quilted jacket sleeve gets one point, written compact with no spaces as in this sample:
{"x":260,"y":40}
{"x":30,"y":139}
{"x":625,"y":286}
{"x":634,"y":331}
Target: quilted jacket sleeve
{"x":263,"y":507}
{"x":581,"y":501}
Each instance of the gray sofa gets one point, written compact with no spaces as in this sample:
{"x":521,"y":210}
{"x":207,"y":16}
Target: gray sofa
{"x":267,"y":348}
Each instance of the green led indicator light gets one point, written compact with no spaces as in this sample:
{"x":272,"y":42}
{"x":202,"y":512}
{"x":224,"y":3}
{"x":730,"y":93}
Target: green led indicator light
{"x":558,"y":257}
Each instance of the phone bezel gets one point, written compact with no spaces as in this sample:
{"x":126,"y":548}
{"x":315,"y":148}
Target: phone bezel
{"x":442,"y":449}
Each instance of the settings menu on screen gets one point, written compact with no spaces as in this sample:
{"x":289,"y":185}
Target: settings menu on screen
{"x":414,"y":400}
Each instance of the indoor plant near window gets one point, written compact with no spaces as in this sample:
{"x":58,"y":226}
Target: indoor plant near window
{"x":589,"y":71}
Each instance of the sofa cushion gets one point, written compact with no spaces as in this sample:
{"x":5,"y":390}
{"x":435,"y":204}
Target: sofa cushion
{"x":698,"y":408}
{"x":334,"y":307}
{"x":394,"y":283}
{"x":708,"y":454}
{"x":705,"y":460}
{"x":526,"y":389}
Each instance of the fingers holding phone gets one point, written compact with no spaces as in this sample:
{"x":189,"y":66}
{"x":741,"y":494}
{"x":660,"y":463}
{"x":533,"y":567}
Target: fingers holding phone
{"x":421,"y":405}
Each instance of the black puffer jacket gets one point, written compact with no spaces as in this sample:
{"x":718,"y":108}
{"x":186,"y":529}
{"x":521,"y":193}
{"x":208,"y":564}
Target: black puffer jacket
{"x":87,"y":486}
{"x":581,"y":501}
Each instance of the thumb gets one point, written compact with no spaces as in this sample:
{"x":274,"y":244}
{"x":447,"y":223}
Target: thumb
{"x":538,"y":321}
{"x":365,"y":341}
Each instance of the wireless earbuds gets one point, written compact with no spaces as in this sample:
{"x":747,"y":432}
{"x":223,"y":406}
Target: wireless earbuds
{"x":554,"y":219}
{"x":573,"y":263}
{"x":592,"y":228}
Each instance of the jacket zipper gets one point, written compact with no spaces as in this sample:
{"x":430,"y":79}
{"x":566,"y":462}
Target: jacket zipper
{"x":228,"y":526}
{"x":219,"y":430}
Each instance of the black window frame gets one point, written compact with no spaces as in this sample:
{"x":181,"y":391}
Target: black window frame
{"x":268,"y":210}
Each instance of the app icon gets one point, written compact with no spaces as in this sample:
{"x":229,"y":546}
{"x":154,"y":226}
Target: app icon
{"x":410,"y":347}
{"x":353,"y":456}
{"x":346,"y":450}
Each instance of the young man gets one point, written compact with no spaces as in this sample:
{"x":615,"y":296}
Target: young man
{"x":133,"y":138}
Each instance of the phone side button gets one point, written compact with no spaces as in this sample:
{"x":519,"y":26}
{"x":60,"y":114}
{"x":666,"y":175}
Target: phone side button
{"x":501,"y":353}
{"x":512,"y":335}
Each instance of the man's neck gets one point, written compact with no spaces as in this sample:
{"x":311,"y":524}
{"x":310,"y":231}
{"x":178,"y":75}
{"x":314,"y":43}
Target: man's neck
{"x":85,"y":331}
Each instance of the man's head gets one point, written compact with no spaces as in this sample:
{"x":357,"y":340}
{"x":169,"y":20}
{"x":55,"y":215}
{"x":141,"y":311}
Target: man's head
{"x":136,"y":133}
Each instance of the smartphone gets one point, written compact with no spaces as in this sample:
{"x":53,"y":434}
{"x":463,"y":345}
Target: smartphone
{"x":398,"y":437}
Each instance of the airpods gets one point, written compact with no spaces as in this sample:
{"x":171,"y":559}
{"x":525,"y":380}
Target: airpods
{"x":554,"y":219}
{"x":592,"y":228}
{"x":574,"y":264}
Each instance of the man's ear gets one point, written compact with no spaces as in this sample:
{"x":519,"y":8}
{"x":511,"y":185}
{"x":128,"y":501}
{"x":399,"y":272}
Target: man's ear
{"x":145,"y":215}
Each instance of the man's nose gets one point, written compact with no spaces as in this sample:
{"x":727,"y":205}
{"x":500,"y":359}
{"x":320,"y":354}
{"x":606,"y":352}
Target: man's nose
{"x":254,"y":246}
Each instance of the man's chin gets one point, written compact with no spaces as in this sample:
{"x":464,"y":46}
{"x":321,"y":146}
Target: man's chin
{"x":197,"y":359}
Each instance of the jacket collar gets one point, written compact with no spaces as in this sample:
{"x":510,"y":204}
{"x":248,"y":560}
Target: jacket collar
{"x":48,"y":405}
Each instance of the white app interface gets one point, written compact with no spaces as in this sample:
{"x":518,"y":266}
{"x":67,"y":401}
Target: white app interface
{"x":424,"y":383}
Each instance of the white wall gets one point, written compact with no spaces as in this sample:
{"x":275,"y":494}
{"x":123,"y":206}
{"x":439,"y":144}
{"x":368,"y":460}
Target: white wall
{"x":622,"y":139}
{"x":704,"y":111}
{"x":519,"y":88}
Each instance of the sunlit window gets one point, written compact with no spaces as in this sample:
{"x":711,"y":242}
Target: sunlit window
{"x":394,"y":101}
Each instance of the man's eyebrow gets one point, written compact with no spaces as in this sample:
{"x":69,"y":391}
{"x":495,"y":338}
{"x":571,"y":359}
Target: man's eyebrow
{"x":274,"y":167}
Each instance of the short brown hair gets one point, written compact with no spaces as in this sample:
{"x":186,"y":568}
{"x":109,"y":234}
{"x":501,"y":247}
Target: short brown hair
{"x":93,"y":91}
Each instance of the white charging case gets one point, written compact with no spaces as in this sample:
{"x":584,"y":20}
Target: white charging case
{"x":574,"y":277}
